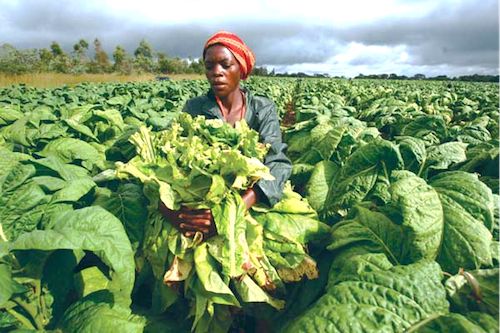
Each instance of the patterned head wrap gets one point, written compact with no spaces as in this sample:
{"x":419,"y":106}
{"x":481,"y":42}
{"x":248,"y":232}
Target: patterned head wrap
{"x":238,"y":48}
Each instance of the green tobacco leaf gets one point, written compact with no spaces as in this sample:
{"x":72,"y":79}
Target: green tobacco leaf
{"x":485,"y":321}
{"x":163,"y":297}
{"x":92,"y":229}
{"x":19,"y":198}
{"x":380,"y":300}
{"x":364,"y":260}
{"x":8,"y":286}
{"x":89,"y":280}
{"x":210,"y":279}
{"x":483,"y":159}
{"x":468,"y":214}
{"x":9,"y":160}
{"x":430,"y":128}
{"x":317,"y":187}
{"x":359,"y":174}
{"x":9,"y":114}
{"x":442,"y":156}
{"x":54,"y":166}
{"x":50,"y":183}
{"x":372,"y":230}
{"x":325,"y":139}
{"x":456,"y":323}
{"x":120,"y":100}
{"x":249,"y":291}
{"x":292,"y":218}
{"x":113,"y":117}
{"x":57,"y":277}
{"x":474,"y":291}
{"x":301,"y":174}
{"x":413,"y":152}
{"x":70,"y":150}
{"x":74,"y":190}
{"x":230,"y":222}
{"x":419,"y":213}
{"x":126,"y":203}
{"x":80,"y":128}
{"x":17,"y":132}
{"x":98,"y":312}
{"x":297,"y":301}
{"x":407,"y":229}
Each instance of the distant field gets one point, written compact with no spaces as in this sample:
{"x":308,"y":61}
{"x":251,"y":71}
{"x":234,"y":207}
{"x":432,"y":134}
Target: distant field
{"x":50,"y":80}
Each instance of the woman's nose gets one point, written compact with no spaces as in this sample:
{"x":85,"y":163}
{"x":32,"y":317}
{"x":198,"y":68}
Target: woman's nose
{"x":217,"y":70}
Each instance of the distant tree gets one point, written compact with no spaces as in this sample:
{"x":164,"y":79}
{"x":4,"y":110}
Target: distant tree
{"x":143,"y":61}
{"x":163,"y":63}
{"x":197,"y":66}
{"x":101,"y":63}
{"x":61,"y":62}
{"x":418,"y":77}
{"x":80,"y":61}
{"x":56,"y":49}
{"x":168,"y":65}
{"x":479,"y":78}
{"x":81,"y":48}
{"x":440,"y":78}
{"x":45,"y":57}
{"x":144,"y":50}
{"x":122,"y":61}
{"x":13,"y":61}
{"x":260,"y":71}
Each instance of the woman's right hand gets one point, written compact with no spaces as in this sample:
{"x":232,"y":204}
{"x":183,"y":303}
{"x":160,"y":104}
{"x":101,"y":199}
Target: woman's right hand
{"x":189,"y":221}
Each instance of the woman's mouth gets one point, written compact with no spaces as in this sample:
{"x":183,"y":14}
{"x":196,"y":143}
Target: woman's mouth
{"x":218,"y":85}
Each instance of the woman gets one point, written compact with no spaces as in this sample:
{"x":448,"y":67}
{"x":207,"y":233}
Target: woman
{"x":227,"y":61}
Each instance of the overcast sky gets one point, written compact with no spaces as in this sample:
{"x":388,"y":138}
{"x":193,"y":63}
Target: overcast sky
{"x":347,"y":37}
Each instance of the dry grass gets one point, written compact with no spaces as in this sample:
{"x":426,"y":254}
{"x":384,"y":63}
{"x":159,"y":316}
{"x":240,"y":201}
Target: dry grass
{"x":51,"y":80}
{"x":187,"y":76}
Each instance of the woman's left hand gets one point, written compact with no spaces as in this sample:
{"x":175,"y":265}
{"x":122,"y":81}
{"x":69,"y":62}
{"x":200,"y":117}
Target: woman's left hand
{"x":197,"y":220}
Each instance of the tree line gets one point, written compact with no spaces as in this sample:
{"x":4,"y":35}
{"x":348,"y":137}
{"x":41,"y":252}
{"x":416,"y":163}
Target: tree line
{"x":78,"y":61}
{"x":471,"y":78}
{"x":146,"y":60}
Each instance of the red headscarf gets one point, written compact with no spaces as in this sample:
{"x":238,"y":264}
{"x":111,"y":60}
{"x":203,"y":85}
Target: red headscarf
{"x":238,"y":48}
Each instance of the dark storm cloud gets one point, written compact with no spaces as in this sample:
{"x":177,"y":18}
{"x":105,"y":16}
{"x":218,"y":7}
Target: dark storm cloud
{"x":465,"y":35}
{"x":460,"y":36}
{"x":37,"y":23}
{"x":273,"y":43}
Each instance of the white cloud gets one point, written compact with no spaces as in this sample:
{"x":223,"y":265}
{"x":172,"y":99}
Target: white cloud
{"x":330,"y":13}
{"x":357,"y":58}
{"x":355,"y":53}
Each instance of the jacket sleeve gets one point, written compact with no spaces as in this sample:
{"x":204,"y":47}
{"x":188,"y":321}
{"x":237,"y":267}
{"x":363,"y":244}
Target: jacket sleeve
{"x":279,"y":164}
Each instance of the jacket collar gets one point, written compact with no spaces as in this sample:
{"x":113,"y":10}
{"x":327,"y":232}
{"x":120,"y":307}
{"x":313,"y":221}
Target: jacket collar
{"x":210,"y":107}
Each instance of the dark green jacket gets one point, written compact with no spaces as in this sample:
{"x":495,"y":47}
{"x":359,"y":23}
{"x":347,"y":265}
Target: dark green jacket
{"x":261,"y":115}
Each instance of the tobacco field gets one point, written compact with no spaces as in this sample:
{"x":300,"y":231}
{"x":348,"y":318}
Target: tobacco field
{"x":389,"y":222}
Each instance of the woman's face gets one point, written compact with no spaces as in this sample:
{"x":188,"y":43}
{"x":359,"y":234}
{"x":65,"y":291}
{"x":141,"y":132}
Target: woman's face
{"x":222,"y":70}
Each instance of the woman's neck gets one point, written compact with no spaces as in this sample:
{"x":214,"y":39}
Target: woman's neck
{"x":232,"y":101}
